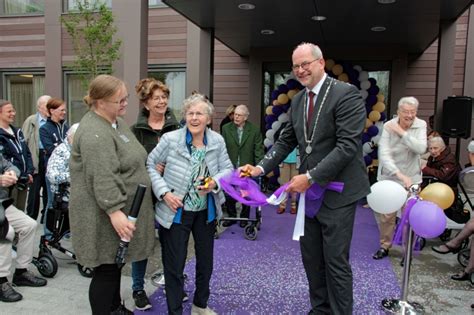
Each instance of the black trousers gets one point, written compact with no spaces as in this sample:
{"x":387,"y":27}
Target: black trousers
{"x":39,"y":182}
{"x":232,"y":211}
{"x":104,"y":290}
{"x":174,"y":247}
{"x":325,"y":253}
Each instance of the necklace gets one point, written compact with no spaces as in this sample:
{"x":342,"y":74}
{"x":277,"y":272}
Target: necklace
{"x":308,"y":141}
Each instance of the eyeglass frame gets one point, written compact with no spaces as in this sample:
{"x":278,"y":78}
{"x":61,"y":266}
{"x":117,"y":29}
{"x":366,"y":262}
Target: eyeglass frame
{"x":304,"y":65}
{"x":120,"y":102}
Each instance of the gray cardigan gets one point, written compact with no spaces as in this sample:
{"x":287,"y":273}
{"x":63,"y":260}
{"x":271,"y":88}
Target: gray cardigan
{"x":173,"y":151}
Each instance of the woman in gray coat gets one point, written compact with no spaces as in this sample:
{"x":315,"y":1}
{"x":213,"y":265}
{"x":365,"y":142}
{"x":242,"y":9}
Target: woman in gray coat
{"x":107,"y":163}
{"x":189,"y":200}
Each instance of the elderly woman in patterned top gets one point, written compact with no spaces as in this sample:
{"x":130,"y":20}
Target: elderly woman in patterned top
{"x":189,"y":200}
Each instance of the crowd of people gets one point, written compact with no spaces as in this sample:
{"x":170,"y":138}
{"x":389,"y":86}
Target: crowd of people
{"x":102,"y":161}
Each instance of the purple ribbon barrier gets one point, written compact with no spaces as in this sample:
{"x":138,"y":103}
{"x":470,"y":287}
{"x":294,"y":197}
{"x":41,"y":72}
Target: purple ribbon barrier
{"x":398,"y":236}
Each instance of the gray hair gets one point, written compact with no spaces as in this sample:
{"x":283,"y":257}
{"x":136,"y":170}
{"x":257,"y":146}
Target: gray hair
{"x":43,"y":99}
{"x":71,"y":132}
{"x":197,"y":98}
{"x":315,"y":50}
{"x":408,"y":100}
{"x":437,"y":140}
{"x":244,"y":108}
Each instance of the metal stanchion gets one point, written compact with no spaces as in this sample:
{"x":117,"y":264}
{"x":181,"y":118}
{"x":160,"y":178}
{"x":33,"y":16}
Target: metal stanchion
{"x":402,"y":305}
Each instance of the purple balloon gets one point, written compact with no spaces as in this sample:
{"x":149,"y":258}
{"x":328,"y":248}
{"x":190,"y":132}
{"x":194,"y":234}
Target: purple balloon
{"x":365,"y":137}
{"x":283,"y":89}
{"x":373,"y":131}
{"x":374,"y":154}
{"x":372,"y":81}
{"x":274,"y":95}
{"x":292,"y":84}
{"x":383,"y":116}
{"x":270,"y":119}
{"x":373,"y":90}
{"x":371,"y":100}
{"x":277,"y":110}
{"x":427,"y":219}
{"x":368,"y":160}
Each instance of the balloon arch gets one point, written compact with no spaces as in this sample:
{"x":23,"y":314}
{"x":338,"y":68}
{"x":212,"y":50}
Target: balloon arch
{"x":276,"y":113}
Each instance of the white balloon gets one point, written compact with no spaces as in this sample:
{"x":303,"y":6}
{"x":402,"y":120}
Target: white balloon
{"x":364,"y":94}
{"x":276,"y":125}
{"x":270,"y":133}
{"x":267,"y":142}
{"x":357,"y":67}
{"x":387,"y":196}
{"x":283,"y":118}
{"x":363,"y":76}
{"x":379,"y":124}
{"x":367,"y":147}
{"x":365,"y":85}
{"x":376,"y":139}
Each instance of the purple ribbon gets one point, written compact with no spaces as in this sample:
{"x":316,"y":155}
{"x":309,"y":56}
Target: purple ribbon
{"x":315,"y":194}
{"x":398,"y":237}
{"x":247,"y":192}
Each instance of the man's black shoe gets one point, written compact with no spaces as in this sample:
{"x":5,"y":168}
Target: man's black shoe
{"x":8,"y":294}
{"x":381,"y":253}
{"x":228,"y":223}
{"x":122,"y":310}
{"x":141,"y":300}
{"x":27,"y":279}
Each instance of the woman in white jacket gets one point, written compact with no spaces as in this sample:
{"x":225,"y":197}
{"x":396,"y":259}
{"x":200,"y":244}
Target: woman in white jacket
{"x":189,"y":200}
{"x":401,"y":145}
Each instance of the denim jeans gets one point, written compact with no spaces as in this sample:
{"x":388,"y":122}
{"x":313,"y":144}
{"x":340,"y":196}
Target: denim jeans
{"x":138,"y":274}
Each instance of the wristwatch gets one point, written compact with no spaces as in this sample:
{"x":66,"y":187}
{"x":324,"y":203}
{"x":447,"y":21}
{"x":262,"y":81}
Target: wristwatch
{"x":310,"y":179}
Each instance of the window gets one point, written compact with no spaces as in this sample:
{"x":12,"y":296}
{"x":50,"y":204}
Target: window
{"x":383,"y":83}
{"x":21,"y":7}
{"x":23,"y":89}
{"x":271,"y":82}
{"x":156,"y":3}
{"x":71,"y":5}
{"x":74,"y":94}
{"x":175,"y":79}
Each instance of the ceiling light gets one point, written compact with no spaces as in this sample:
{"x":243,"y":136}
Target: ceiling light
{"x":318,"y":18}
{"x":386,"y":1}
{"x":378,"y":28}
{"x":267,"y":32}
{"x":246,"y":6}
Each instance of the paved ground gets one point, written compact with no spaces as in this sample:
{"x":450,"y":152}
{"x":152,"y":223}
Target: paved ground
{"x":430,"y":285}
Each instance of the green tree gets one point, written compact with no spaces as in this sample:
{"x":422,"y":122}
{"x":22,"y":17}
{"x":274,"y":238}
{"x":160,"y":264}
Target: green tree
{"x":92,"y":28}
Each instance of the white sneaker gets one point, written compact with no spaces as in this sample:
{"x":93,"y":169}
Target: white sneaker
{"x":202,"y":311}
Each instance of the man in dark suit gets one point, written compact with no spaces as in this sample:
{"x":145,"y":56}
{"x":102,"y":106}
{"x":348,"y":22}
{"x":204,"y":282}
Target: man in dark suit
{"x":328,"y":137}
{"x":245,"y":146}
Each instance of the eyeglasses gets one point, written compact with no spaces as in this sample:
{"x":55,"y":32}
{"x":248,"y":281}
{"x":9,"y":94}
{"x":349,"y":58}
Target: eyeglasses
{"x":407,"y":112}
{"x":304,"y":65}
{"x":192,"y":114}
{"x":239,"y":115}
{"x":121,"y":102}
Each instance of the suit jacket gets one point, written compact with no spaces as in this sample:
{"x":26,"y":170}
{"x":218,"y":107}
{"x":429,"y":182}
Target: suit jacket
{"x":249,"y":150}
{"x":336,"y":146}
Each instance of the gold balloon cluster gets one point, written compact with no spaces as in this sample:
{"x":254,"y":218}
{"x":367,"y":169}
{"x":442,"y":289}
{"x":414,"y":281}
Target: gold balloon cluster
{"x":438,"y":193}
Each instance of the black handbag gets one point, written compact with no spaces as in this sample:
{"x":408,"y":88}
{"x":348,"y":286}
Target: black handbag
{"x":457,"y":213}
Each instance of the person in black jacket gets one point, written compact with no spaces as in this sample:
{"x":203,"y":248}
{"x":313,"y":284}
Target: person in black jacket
{"x":13,"y":148}
{"x":154,"y":120}
{"x":52,"y":134}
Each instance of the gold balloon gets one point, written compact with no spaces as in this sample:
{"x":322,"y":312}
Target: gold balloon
{"x":337,"y":69}
{"x":380,"y":98}
{"x":282,"y":99}
{"x":292,"y":93}
{"x":343,"y":77}
{"x":368,"y":123}
{"x":275,"y":103}
{"x":439,"y":193}
{"x":374,"y":116}
{"x":379,"y":106}
{"x":268,"y":110}
{"x":329,"y":64}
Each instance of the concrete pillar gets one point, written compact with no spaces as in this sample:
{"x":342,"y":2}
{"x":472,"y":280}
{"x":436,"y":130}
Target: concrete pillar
{"x":445,"y":73}
{"x":398,"y":83}
{"x":131,"y":19}
{"x":200,"y":60}
{"x":53,"y":54}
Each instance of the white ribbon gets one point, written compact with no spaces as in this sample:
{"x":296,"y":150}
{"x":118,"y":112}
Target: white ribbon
{"x":299,"y":223}
{"x":273,"y":200}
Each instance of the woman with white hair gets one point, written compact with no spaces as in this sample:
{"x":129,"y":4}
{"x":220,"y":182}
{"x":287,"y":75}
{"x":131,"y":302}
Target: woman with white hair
{"x":442,"y":163}
{"x":58,"y":165}
{"x":401,"y":145}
